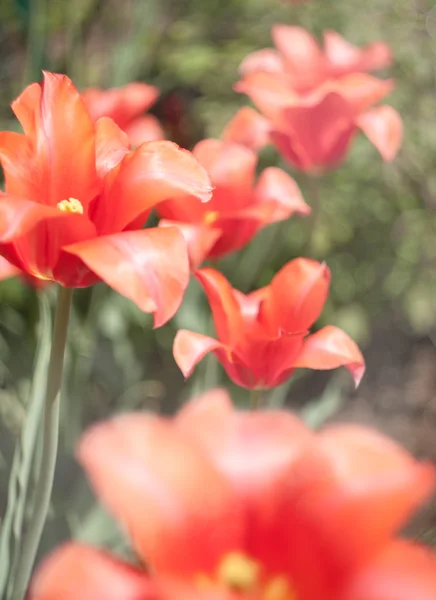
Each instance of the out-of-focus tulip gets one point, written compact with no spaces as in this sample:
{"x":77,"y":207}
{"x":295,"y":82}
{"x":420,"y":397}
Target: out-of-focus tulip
{"x":305,"y":65}
{"x":226,"y":505}
{"x":240,"y":206}
{"x":126,"y":106}
{"x":314,"y":131}
{"x":78,"y":196}
{"x":264,"y":336}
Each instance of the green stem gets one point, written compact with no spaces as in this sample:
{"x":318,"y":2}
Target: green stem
{"x":44,"y":483}
{"x":255,"y":399}
{"x":314,"y":185}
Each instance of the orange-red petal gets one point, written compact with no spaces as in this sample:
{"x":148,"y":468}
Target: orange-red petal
{"x":269,"y":92}
{"x":297,"y":295}
{"x":248,"y":128}
{"x":228,"y":164}
{"x":164,"y":491}
{"x":199,"y":238}
{"x":63,"y":129}
{"x":121,"y":104}
{"x":149,"y":266}
{"x":224,"y":306}
{"x":384,"y":128}
{"x":26,"y":106}
{"x":318,"y":135}
{"x":330,"y":348}
{"x":277,"y":187}
{"x":344,"y":57}
{"x":190,"y":348}
{"x":150,"y":174}
{"x":403,"y":570}
{"x":363,"y":489}
{"x":7,"y":270}
{"x":76,"y":571}
{"x":111,"y":145}
{"x":304,"y":61}
{"x":268,"y":60}
{"x":144,"y":129}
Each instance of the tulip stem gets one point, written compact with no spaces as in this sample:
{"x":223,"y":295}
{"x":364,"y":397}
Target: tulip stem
{"x":45,"y":479}
{"x":255,"y":399}
{"x":315,"y":203}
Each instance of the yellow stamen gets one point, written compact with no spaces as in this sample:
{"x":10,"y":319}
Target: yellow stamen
{"x":242,"y":575}
{"x":239,"y":572}
{"x":279,"y":589}
{"x":71,"y":206}
{"x":211,"y":216}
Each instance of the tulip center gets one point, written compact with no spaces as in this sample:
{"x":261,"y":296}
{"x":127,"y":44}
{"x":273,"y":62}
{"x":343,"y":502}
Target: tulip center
{"x":72,"y":206}
{"x":210,"y":217}
{"x":242,"y":575}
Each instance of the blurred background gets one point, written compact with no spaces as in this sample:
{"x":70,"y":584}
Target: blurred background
{"x":376,"y":227}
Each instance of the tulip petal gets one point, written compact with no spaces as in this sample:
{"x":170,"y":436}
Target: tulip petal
{"x":25,"y":107}
{"x":360,"y":90}
{"x":111,"y":145}
{"x":224,"y":306}
{"x":330,"y":348}
{"x":304,"y":61}
{"x":190,"y":348}
{"x":122,"y":104}
{"x":316,"y":136}
{"x":297,"y":296}
{"x":144,"y":129}
{"x":269,"y":92}
{"x":18,"y":217}
{"x":16,"y":156}
{"x":268,"y":60}
{"x":200,"y":239}
{"x":164,"y":491}
{"x":384,"y":128}
{"x":227,"y":163}
{"x":150,"y":174}
{"x":344,"y":57}
{"x":403,"y":570}
{"x":7,"y":270}
{"x":277,"y":187}
{"x":248,"y":128}
{"x":76,"y":571}
{"x":149,"y":266}
{"x":63,"y":130}
{"x":367,"y":485}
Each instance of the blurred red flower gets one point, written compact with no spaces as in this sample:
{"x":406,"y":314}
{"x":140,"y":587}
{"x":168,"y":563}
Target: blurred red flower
{"x":239,"y":207}
{"x":226,"y":505}
{"x":77,"y":197}
{"x":305,"y":65}
{"x":125,"y":105}
{"x":263,"y":336}
{"x":313,"y":131}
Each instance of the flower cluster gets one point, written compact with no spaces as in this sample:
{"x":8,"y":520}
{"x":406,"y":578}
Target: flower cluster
{"x":218,"y":504}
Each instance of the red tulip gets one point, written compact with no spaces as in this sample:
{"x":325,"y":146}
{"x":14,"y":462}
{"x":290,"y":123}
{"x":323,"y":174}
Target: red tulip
{"x":239,"y":207}
{"x":314,"y":131}
{"x":126,"y":106}
{"x":226,"y":505}
{"x":263,"y":336}
{"x":77,"y":197}
{"x":299,"y":58}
